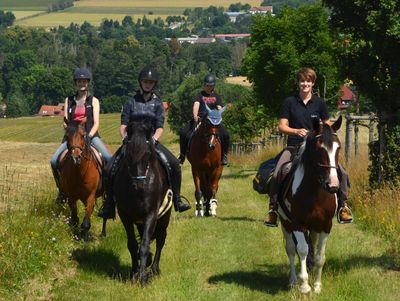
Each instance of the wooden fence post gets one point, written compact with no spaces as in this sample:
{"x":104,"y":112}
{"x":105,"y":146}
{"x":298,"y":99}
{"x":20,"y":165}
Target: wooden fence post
{"x":349,"y":130}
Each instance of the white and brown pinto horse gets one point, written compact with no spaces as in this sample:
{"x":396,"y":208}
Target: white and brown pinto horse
{"x":309,"y":203}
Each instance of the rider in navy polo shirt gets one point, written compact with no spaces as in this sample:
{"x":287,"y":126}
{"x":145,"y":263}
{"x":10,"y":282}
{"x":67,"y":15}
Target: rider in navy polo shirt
{"x":296,"y":121}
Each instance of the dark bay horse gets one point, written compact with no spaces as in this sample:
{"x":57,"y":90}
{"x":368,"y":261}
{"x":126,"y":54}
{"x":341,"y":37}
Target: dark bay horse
{"x":205,"y":159}
{"x":143,"y":197}
{"x":309,"y":203}
{"x":80,"y":175}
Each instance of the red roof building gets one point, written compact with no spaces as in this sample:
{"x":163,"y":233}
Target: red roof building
{"x":47,"y":110}
{"x":347,"y":98}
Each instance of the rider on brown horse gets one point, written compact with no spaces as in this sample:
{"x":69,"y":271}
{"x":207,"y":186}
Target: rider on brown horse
{"x":213,"y":100}
{"x":77,"y":107}
{"x":145,"y":102}
{"x":296,"y":121}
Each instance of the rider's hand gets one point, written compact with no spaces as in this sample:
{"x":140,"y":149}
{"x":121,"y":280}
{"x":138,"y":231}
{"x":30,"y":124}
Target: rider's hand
{"x":196,"y":119}
{"x":155,"y":141}
{"x":301,"y":132}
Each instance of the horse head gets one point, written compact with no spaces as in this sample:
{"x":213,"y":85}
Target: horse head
{"x":211,"y":125}
{"x":140,"y":148}
{"x":322,"y":153}
{"x":76,"y":139}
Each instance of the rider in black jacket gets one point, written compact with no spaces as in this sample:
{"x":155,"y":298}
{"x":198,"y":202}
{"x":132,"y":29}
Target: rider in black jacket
{"x":145,"y":102}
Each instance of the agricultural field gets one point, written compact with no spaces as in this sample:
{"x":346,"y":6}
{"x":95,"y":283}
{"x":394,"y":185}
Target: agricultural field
{"x":230,"y":257}
{"x":94,"y":11}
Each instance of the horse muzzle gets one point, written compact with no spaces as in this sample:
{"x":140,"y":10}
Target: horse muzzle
{"x":331,"y":189}
{"x":211,"y":146}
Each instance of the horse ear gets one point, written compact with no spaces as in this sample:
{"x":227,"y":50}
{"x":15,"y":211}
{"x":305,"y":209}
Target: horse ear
{"x":316,"y":124}
{"x":337,"y":124}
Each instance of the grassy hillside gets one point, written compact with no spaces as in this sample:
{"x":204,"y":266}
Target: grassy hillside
{"x":24,"y":4}
{"x":231,"y":257}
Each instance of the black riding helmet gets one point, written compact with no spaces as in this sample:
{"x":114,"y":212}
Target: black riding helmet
{"x":149,"y":73}
{"x":82,"y":73}
{"x":209,"y":79}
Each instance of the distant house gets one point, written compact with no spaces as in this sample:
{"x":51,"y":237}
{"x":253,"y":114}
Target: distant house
{"x":193,"y":40}
{"x":231,"y":36}
{"x":261,"y":10}
{"x":347,"y":98}
{"x":233,"y":15}
{"x":47,"y":110}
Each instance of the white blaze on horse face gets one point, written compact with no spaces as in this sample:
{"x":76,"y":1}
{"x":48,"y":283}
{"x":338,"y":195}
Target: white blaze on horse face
{"x":333,"y":176}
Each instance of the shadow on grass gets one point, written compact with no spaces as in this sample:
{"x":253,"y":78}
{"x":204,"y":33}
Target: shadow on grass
{"x":245,"y":173}
{"x":271,"y":281}
{"x":239,"y":219}
{"x":337,"y":265}
{"x":101,"y":262}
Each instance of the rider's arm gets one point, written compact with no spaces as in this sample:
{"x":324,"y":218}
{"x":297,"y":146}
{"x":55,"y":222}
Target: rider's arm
{"x":96,"y":117}
{"x":196,"y":106}
{"x":158,"y":133}
{"x":122,"y":131}
{"x":65,"y":112}
{"x":286,"y":129}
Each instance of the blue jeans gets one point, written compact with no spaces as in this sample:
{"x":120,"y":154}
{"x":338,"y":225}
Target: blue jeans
{"x":101,"y":148}
{"x":60,"y":149}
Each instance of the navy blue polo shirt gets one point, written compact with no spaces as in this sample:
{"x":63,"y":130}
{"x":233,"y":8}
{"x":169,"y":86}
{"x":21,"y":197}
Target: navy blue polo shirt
{"x":300,"y":115}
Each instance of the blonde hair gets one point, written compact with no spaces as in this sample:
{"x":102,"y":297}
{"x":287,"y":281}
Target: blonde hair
{"x":306,"y":73}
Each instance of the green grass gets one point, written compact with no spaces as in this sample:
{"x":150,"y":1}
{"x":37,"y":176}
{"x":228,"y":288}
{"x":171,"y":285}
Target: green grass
{"x":231,"y":257}
{"x":24,"y":4}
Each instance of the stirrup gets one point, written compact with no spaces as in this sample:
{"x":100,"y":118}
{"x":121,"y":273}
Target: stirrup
{"x":343,"y":221}
{"x":186,"y":205}
{"x":269,"y":224}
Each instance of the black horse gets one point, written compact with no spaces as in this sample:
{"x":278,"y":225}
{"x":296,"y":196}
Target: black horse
{"x":143,"y":198}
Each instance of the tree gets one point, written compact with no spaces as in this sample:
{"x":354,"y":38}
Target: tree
{"x":369,"y":56}
{"x":281,"y":45}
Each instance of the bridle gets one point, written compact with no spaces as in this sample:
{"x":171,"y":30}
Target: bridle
{"x":326,"y":165}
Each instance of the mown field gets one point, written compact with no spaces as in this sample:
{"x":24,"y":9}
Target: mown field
{"x":231,"y":257}
{"x":94,"y":11}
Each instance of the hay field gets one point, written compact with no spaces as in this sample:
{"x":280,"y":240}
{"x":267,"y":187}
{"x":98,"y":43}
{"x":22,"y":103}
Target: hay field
{"x":24,"y":5}
{"x":94,"y":11}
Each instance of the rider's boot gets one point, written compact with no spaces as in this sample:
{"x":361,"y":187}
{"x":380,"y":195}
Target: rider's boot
{"x":107,"y":211}
{"x":224,"y":160}
{"x":344,"y":214}
{"x":272,"y":218}
{"x":179,"y":205}
{"x":61,"y":195}
{"x":181,"y":158}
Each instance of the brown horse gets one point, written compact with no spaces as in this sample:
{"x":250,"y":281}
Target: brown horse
{"x":80,"y":175}
{"x":205,"y":158}
{"x":143,"y":197}
{"x":309,"y":203}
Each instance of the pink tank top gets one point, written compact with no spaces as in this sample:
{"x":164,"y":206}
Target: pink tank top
{"x":80,"y":113}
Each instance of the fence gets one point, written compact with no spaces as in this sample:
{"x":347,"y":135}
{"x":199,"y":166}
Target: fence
{"x":241,"y":148}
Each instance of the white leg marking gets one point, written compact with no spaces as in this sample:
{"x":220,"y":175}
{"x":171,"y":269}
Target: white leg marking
{"x":302,"y":251}
{"x":319,"y":260}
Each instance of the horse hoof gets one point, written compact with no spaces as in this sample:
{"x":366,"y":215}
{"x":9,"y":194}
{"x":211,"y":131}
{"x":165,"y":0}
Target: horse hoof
{"x":305,"y":289}
{"x":213,"y":207}
{"x":317,"y":288}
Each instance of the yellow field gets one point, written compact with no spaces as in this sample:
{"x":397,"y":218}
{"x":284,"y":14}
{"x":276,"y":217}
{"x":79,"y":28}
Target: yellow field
{"x":238,"y":80}
{"x":25,"y":13}
{"x":65,"y":19}
{"x":94,"y":11}
{"x":159,"y":3}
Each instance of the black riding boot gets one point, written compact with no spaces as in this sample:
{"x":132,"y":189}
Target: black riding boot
{"x":179,"y":205}
{"x":107,"y":211}
{"x":61,"y":196}
{"x":224,"y":159}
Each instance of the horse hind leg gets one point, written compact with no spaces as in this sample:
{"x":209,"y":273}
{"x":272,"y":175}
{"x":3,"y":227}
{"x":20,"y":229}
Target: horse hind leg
{"x":74,"y":219}
{"x":160,"y":241}
{"x":213,"y":207}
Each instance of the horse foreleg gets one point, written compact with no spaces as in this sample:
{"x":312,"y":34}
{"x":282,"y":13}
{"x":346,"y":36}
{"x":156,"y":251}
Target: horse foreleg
{"x":85,"y":227}
{"x":103,"y":228}
{"x":197,"y":194}
{"x":214,"y":188}
{"x":74,"y":215}
{"x":319,"y":260}
{"x":132,"y":246}
{"x":144,"y":251}
{"x":160,"y":241}
{"x":302,"y":251}
{"x":290,"y":248}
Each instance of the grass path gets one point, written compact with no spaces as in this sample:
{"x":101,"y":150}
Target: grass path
{"x":231,"y":257}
